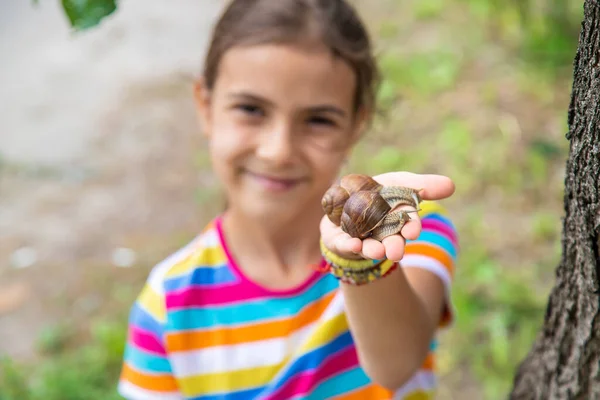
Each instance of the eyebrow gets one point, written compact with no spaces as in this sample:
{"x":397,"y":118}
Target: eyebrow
{"x":321,"y":108}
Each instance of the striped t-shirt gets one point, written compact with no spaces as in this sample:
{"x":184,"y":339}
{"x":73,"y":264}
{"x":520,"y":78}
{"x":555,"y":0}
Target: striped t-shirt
{"x":200,"y":329}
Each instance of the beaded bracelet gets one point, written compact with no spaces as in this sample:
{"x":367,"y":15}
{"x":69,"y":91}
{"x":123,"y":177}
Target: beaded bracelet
{"x":356,"y":272}
{"x":359,"y":264}
{"x":362,"y":277}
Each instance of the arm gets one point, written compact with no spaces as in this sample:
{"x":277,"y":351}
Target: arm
{"x":393,"y":320}
{"x":146,"y":373}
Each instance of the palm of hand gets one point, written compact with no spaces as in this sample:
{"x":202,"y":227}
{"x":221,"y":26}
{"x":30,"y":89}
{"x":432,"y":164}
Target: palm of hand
{"x":434,"y":187}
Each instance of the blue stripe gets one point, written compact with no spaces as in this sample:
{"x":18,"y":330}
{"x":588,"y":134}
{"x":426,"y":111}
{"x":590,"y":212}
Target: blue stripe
{"x":439,"y":217}
{"x":139,"y":317}
{"x":339,"y":384}
{"x":146,"y":361}
{"x":259,"y":310}
{"x":201,"y":275}
{"x":313,"y":359}
{"x":433,"y":345}
{"x":437,"y":239}
{"x":239,"y":395}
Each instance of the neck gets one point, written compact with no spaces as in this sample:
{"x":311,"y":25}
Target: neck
{"x":275,"y":253}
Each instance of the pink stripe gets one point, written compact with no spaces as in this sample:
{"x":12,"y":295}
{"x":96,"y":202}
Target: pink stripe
{"x":195,"y":296}
{"x":306,"y":381}
{"x":240,"y":273}
{"x":441,"y":228}
{"x":145,"y":340}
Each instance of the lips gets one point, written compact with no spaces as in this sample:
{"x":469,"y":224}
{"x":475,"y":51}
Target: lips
{"x":273,"y":182}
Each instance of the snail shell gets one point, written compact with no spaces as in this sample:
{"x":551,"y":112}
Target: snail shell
{"x":363,"y":212}
{"x":356,"y":182}
{"x":333,"y":203}
{"x":335,"y":198}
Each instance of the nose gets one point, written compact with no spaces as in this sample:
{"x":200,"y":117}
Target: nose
{"x":276,"y":143}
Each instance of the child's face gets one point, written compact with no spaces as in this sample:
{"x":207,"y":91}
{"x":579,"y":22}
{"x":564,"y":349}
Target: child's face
{"x":280,"y":122}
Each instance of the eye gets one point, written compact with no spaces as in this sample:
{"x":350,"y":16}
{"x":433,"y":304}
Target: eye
{"x":320,"y":120}
{"x":250,"y":109}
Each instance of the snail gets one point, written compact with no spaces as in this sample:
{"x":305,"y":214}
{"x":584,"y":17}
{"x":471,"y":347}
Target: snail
{"x":364,"y":208}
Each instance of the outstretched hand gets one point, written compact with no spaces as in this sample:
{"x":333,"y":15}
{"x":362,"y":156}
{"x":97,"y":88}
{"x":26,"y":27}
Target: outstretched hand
{"x":435,"y":187}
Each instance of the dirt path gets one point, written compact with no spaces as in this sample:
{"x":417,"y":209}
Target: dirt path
{"x":98,"y":140}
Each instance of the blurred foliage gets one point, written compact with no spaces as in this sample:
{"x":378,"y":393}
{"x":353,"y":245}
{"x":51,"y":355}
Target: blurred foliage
{"x":70,"y":373}
{"x":543,"y":32}
{"x":483,"y":100}
{"x":86,"y":14}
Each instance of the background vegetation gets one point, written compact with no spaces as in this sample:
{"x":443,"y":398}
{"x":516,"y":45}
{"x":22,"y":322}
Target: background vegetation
{"x":475,"y":89}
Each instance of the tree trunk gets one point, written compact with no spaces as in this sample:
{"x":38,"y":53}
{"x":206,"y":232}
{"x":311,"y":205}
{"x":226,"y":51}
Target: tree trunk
{"x":564,"y":362}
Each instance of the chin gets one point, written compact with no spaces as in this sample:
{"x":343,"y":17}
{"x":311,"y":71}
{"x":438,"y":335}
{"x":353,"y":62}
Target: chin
{"x":276,"y":212}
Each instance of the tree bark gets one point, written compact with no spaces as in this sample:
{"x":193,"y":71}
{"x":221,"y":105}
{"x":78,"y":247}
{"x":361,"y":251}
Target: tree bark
{"x":564,"y":362}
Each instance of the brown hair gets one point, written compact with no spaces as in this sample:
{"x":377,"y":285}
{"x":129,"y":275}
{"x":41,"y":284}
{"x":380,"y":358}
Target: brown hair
{"x":334,"y":23}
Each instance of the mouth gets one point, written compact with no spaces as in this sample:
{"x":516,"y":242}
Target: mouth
{"x":274,"y":182}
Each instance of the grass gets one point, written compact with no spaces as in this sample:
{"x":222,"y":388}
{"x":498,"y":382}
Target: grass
{"x":485,"y":103}
{"x":89,"y":372}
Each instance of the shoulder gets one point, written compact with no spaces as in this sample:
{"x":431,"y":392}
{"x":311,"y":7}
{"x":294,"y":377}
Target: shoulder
{"x":177,"y":271}
{"x":437,"y":246}
{"x":438,"y":226}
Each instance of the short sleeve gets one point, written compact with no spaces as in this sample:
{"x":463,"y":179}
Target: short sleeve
{"x":146,"y":372}
{"x":435,"y":250}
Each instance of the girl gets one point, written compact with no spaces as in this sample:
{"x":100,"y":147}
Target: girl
{"x":241,"y":312}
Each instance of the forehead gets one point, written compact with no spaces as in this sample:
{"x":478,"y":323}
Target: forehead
{"x":288,"y":74}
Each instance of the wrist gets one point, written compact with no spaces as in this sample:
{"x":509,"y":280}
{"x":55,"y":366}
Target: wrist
{"x":356,"y":271}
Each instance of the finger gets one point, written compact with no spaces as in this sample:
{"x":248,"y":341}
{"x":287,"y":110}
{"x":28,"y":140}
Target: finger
{"x":412,"y":229}
{"x":345,"y":245}
{"x":434,"y":187}
{"x":373,"y":249}
{"x":394,"y":247}
{"x":337,"y":240}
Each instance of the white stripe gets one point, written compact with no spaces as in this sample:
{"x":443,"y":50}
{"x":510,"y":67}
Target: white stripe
{"x":158,"y":272}
{"x":335,"y":308}
{"x":219,"y":359}
{"x":428,"y":263}
{"x":210,"y":239}
{"x":422,"y":380}
{"x":132,"y":392}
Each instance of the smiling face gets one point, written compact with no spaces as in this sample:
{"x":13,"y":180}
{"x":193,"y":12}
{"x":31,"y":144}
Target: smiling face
{"x":280,"y":122}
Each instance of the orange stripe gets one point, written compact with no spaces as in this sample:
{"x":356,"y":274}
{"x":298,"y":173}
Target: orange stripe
{"x":158,"y":383}
{"x":429,"y":362}
{"x":431,"y":251}
{"x":192,"y":340}
{"x":371,"y":392}
{"x":375,"y":392}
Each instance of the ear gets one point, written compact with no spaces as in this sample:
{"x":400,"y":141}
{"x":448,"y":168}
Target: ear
{"x":203,"y":103}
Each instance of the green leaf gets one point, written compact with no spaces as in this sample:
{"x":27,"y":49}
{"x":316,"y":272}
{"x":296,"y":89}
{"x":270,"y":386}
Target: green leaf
{"x":85,"y":14}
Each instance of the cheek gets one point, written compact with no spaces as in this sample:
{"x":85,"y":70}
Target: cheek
{"x":327,"y":168}
{"x":228,"y":137}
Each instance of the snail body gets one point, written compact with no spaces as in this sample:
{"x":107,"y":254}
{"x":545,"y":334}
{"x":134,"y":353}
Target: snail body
{"x":364,"y":208}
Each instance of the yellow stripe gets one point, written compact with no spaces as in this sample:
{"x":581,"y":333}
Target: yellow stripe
{"x":430,"y":207}
{"x":326,"y":332}
{"x":206,"y":257}
{"x":228,"y":381}
{"x":153,"y":303}
{"x":419,"y":395}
